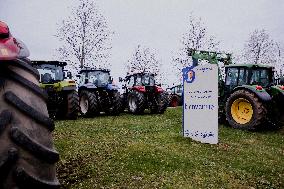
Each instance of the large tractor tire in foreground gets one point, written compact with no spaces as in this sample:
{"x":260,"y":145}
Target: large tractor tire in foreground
{"x":161,"y":103}
{"x":27,"y":156}
{"x":89,"y":106}
{"x":136,"y":102}
{"x":244,"y":110}
{"x":116,"y":103}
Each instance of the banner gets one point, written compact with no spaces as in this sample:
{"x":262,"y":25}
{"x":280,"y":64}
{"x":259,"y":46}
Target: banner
{"x":200,"y":103}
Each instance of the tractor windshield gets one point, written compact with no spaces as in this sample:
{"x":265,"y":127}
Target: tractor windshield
{"x":99,"y":78}
{"x":50,"y":73}
{"x":260,"y":77}
{"x":146,"y":79}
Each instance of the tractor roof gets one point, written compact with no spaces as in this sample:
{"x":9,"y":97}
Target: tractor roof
{"x":249,"y":65}
{"x":57,"y":63}
{"x":140,"y":73}
{"x":93,"y":70}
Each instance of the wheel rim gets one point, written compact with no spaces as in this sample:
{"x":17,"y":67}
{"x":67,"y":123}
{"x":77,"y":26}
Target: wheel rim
{"x":242,"y":111}
{"x":84,"y":104}
{"x":132,"y":104}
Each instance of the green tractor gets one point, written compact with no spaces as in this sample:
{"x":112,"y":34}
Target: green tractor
{"x":63,"y":99}
{"x":248,"y":95}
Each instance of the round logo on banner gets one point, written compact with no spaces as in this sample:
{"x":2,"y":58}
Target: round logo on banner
{"x":189,"y":75}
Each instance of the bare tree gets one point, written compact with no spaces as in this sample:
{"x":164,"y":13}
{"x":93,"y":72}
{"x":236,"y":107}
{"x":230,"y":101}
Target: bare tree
{"x":85,"y":37}
{"x":143,"y":60}
{"x":196,"y":37}
{"x":261,"y":49}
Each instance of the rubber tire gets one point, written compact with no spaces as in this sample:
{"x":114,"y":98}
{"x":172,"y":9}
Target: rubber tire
{"x":139,"y":101}
{"x":73,"y":107}
{"x":27,"y":155}
{"x":259,"y":110}
{"x":93,"y":105}
{"x":115,"y":107}
{"x":161,"y":103}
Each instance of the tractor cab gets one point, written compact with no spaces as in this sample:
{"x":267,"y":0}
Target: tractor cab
{"x":50,"y":71}
{"x":144,"y":82}
{"x":260,"y":76}
{"x":97,"y":77}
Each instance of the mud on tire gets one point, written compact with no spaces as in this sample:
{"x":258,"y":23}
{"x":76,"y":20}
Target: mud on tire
{"x":27,"y":156}
{"x":89,"y":106}
{"x":136,"y":102}
{"x":258,"y":108}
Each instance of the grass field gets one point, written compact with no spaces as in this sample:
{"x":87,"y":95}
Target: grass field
{"x":148,"y":151}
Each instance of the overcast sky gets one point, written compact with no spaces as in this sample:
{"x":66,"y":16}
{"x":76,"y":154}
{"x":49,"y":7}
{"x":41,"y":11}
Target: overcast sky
{"x":158,"y":24}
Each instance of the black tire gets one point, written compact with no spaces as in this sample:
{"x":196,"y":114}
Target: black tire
{"x":92,"y":106}
{"x":27,"y":155}
{"x":136,"y":102}
{"x":123,"y":102}
{"x":259,"y":111}
{"x":161,"y":103}
{"x":115,"y":107}
{"x":73,"y":107}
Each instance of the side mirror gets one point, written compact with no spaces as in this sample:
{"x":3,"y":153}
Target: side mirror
{"x":69,"y":75}
{"x":79,"y":76}
{"x":120,"y":79}
{"x":160,"y":85}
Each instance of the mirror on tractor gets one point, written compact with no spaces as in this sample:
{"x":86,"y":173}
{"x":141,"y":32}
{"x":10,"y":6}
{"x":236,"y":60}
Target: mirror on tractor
{"x":69,"y":75}
{"x":79,"y":76}
{"x":120,"y":79}
{"x":110,"y":79}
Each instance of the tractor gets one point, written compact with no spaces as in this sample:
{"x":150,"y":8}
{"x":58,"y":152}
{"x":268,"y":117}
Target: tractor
{"x":63,"y":99}
{"x":248,"y":95}
{"x":27,"y":154}
{"x":98,"y":93}
{"x":141,"y":92}
{"x":175,"y":96}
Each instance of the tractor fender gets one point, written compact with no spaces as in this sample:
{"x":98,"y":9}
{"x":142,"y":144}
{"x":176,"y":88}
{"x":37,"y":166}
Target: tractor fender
{"x":277,"y":90}
{"x":112,"y":87}
{"x":261,"y":94}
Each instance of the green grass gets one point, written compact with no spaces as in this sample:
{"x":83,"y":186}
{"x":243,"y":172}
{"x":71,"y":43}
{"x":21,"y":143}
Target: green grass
{"x":148,"y":151}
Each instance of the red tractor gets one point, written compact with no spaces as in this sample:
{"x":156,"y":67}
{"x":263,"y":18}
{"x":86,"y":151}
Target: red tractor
{"x":141,"y":92}
{"x":27,"y":156}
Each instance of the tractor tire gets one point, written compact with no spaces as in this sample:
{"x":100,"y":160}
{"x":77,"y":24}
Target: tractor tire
{"x":116,"y":104}
{"x":161,"y":103}
{"x":174,"y":101}
{"x":73,"y":107}
{"x":27,"y":155}
{"x":136,"y":102}
{"x":244,"y":110}
{"x":89,"y":106}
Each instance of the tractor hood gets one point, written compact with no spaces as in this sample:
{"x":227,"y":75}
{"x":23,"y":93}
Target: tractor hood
{"x":10,"y":47}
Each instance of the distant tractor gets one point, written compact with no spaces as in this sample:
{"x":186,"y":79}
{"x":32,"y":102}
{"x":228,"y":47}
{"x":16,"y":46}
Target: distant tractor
{"x":248,"y":96}
{"x":98,"y":93}
{"x":175,"y":96}
{"x":141,"y":92}
{"x":63,"y":99}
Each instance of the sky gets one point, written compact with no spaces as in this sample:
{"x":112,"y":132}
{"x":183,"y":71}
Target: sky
{"x":158,"y":24}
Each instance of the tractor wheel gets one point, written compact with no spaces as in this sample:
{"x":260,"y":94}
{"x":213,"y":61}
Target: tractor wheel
{"x":160,"y":104}
{"x":123,"y":103}
{"x":27,"y":156}
{"x":136,"y":102}
{"x":115,"y":108}
{"x":244,"y":110}
{"x":72,"y":105}
{"x":88,"y":104}
{"x":174,"y":102}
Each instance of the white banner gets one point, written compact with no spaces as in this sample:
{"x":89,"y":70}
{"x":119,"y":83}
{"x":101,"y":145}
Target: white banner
{"x":200,"y":104}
